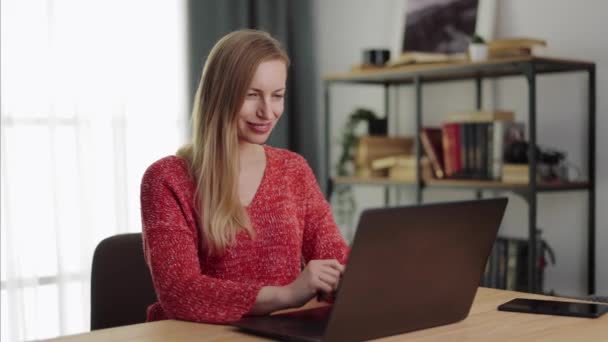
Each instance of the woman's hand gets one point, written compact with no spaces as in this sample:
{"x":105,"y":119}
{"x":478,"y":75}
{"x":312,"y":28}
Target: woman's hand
{"x":319,"y":278}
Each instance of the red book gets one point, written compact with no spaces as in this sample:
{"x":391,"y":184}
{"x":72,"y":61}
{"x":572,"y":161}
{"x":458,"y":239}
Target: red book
{"x":457,"y":148}
{"x":451,"y":149}
{"x":447,"y":151}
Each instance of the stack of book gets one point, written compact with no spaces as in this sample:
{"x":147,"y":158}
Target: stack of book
{"x":474,"y":143}
{"x":507,"y":266}
{"x":516,"y":173}
{"x":497,"y":48}
{"x":371,"y":148}
{"x":515,"y":47}
{"x":401,"y":167}
{"x":417,"y":57}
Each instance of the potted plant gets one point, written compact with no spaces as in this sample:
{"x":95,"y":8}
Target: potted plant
{"x":344,"y":200}
{"x":478,"y":49}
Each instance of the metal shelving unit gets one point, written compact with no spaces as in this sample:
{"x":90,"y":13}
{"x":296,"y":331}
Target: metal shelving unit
{"x":529,"y":68}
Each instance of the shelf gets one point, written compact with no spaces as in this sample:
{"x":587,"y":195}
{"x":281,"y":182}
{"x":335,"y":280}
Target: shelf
{"x":483,"y":184}
{"x":465,"y":184}
{"x":528,"y":67}
{"x":460,"y":70}
{"x":370,"y":181}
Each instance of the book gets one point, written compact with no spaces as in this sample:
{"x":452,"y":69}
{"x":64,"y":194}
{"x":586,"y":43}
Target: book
{"x":504,"y":133}
{"x":400,"y":160}
{"x":515,"y":173}
{"x":366,"y":172}
{"x":402,"y":173}
{"x":451,"y":144}
{"x":490,"y":150}
{"x":412,"y":57}
{"x":512,"y":249}
{"x":507,"y":266}
{"x":502,"y":265}
{"x":515,"y":47}
{"x":408,"y":172}
{"x":520,"y":42}
{"x":446,"y":144}
{"x":508,"y":51}
{"x":469,"y":149}
{"x":464,"y":154}
{"x":494,"y":265}
{"x":370,"y":148}
{"x":475,"y":149}
{"x":431,"y":138}
{"x":482,"y":150}
{"x":481,"y":116}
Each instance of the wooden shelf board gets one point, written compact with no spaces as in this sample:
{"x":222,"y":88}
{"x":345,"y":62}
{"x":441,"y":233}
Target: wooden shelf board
{"x":457,"y":70}
{"x":461,"y":183}
{"x":371,"y":181}
{"x":497,"y":184}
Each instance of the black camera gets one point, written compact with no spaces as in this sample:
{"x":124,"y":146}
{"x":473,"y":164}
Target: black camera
{"x":550,"y":163}
{"x":518,"y":153}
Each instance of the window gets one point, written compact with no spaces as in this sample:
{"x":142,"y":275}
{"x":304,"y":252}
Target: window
{"x":92,"y":94}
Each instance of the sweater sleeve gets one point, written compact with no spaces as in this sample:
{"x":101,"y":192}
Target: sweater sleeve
{"x":322,"y":239}
{"x":171,"y":252}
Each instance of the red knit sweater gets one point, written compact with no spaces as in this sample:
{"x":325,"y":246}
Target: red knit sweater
{"x":292,"y":220}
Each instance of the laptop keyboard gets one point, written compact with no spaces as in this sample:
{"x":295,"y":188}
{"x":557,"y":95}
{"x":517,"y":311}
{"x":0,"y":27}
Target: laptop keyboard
{"x":305,"y":323}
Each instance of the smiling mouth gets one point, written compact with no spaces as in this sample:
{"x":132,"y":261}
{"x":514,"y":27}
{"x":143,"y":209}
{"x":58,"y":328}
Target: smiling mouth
{"x":259,"y":127}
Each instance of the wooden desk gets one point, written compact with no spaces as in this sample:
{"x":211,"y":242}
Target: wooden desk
{"x":484,"y":323}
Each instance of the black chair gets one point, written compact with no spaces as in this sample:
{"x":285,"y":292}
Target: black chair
{"x":121,"y":287}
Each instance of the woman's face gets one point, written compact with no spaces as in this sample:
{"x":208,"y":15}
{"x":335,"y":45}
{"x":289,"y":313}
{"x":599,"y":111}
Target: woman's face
{"x":264,"y":102}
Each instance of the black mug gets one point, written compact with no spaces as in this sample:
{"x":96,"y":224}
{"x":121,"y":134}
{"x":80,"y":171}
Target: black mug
{"x":377,"y":57}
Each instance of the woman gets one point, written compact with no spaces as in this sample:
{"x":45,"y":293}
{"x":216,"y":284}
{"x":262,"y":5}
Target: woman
{"x":228,"y":222}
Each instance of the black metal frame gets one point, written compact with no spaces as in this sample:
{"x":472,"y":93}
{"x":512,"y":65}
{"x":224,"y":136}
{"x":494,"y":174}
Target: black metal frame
{"x":529,"y":68}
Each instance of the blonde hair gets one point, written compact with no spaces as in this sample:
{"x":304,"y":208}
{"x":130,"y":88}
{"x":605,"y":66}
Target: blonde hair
{"x":213,"y":154}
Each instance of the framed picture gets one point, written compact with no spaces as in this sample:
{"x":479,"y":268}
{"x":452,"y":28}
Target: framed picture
{"x":441,"y":26}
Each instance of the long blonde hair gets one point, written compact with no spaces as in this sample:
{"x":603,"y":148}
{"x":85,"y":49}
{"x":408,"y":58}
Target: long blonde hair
{"x":213,"y":154}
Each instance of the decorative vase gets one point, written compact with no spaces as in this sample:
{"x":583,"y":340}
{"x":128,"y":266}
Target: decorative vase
{"x":478,"y":52}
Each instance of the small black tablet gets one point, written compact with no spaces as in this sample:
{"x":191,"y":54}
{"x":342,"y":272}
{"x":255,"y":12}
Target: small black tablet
{"x":552,"y":307}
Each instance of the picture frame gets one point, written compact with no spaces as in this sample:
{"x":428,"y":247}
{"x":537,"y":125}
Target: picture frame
{"x":484,"y":25}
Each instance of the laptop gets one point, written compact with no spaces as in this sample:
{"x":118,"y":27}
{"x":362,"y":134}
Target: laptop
{"x":410,"y":268}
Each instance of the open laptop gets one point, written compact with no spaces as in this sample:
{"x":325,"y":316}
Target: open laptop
{"x":410,"y":268}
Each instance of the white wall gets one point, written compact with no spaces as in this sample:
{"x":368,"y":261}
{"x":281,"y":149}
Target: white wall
{"x":346,"y":27}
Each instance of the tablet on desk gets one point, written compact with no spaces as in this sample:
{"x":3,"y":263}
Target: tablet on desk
{"x":552,"y":307}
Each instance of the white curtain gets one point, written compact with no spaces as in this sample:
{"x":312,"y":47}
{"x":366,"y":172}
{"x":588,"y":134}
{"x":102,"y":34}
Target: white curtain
{"x":92,"y":93}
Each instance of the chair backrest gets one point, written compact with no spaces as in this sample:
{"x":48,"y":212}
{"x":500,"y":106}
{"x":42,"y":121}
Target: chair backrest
{"x":121,"y":286}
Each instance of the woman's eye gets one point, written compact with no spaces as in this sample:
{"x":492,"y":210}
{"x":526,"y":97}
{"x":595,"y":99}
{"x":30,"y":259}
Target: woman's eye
{"x":252,"y":95}
{"x":279,"y":96}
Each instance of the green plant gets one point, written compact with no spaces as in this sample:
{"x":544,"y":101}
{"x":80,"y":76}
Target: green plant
{"x":344,"y":197}
{"x":477,"y":39}
{"x":349,"y":140}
